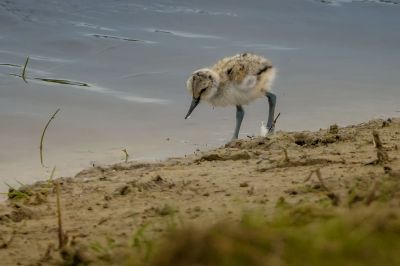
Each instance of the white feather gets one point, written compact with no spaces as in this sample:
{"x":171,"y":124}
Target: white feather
{"x":248,"y":83}
{"x":263,"y":129}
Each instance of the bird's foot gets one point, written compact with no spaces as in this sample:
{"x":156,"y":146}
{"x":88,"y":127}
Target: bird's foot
{"x":233,"y":143}
{"x":271,"y":130}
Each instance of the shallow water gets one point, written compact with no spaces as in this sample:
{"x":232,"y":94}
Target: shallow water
{"x":118,"y":69}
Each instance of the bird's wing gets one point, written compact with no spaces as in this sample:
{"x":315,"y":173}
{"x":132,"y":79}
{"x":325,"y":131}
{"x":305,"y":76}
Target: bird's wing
{"x":242,"y":70}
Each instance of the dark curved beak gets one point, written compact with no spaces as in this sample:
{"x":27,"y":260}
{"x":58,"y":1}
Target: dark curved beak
{"x":193,"y":105}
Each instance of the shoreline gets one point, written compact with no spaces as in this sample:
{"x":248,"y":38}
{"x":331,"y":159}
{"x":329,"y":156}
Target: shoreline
{"x":112,"y":202}
{"x":70,"y":161}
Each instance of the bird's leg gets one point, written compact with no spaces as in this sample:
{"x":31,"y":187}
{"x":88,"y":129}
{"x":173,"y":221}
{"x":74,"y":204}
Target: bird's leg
{"x":239,"y":119}
{"x":271,"y":114}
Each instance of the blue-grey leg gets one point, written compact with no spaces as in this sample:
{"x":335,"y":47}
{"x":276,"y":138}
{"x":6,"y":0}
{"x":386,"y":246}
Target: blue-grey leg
{"x":271,"y":114}
{"x":239,"y":119}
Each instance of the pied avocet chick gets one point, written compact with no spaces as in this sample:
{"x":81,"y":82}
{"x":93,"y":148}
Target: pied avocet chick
{"x":236,"y":80}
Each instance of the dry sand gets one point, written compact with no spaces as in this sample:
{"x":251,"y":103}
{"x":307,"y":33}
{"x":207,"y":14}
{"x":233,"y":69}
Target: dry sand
{"x":112,"y":202}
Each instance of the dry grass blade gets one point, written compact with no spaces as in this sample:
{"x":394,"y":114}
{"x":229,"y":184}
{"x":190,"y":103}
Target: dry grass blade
{"x":381,"y":154}
{"x":377,"y":140}
{"x":126,"y":155}
{"x":23,"y":74}
{"x":372,"y":193}
{"x":59,"y":217}
{"x":276,"y":118}
{"x":319,"y":176}
{"x":309,"y":176}
{"x":52,"y":173}
{"x":286,"y":155}
{"x":42,"y":137}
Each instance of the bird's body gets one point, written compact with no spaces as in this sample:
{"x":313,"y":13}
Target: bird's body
{"x":243,"y":78}
{"x":236,"y":80}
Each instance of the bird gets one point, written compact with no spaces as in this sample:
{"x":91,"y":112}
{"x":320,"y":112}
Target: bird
{"x":235,"y":81}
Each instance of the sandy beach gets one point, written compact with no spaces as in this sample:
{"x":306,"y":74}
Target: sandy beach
{"x":103,"y":207}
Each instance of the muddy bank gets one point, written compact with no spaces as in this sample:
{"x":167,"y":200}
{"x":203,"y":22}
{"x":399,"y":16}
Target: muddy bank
{"x":104,"y":207}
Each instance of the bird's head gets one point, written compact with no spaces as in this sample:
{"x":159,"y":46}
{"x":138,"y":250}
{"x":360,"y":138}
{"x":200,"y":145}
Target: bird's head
{"x":202,"y":84}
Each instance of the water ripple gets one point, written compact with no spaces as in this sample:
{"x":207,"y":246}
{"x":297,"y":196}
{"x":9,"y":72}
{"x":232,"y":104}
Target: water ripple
{"x":184,"y":34}
{"x":264,"y":46}
{"x":340,"y":2}
{"x":172,"y":9}
{"x":121,"y":38}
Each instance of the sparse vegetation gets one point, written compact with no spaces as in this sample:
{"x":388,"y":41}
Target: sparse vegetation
{"x":243,"y":204}
{"x":298,"y":236}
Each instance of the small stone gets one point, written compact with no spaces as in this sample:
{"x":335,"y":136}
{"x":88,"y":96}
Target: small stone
{"x":197,"y":209}
{"x":334,"y":198}
{"x":123,"y":190}
{"x":301,"y":139}
{"x":387,"y":169}
{"x":240,"y":156}
{"x":158,"y":179}
{"x":244,"y":184}
{"x":250,"y":191}
{"x":20,"y":213}
{"x":165,"y":210}
{"x":291,"y":192}
{"x":317,"y":187}
{"x":334,"y":129}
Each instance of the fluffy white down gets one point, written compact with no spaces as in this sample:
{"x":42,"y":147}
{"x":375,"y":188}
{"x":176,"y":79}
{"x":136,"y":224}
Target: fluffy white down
{"x":263,"y":129}
{"x":244,"y":93}
{"x":233,"y":95}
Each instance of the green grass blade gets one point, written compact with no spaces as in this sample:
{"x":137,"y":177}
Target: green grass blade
{"x":23,"y":75}
{"x":42,"y":137}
